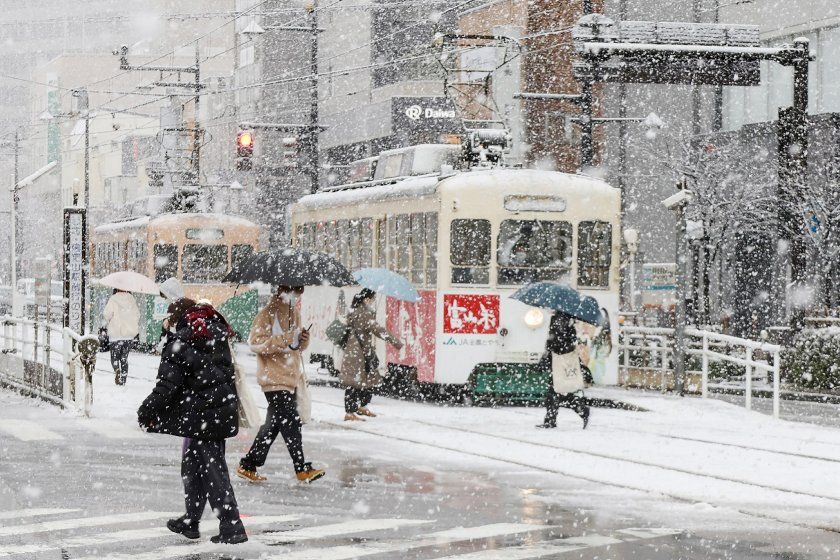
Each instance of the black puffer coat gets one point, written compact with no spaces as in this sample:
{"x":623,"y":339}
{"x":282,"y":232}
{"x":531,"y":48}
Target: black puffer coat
{"x":195,"y":395}
{"x":562,"y":338}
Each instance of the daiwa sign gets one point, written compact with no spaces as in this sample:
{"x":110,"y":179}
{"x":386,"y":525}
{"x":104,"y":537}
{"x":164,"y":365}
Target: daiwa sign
{"x":424,"y":114}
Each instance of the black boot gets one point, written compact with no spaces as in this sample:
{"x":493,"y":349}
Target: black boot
{"x":584,"y":414}
{"x":179,"y":525}
{"x":234,"y":538}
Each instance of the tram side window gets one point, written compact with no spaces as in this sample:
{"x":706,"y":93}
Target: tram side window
{"x":166,"y":262}
{"x":239,"y":253}
{"x":355,"y":244}
{"x":392,"y":243}
{"x":320,"y":237}
{"x":403,"y":244}
{"x":366,"y":245}
{"x":470,"y":251}
{"x":342,"y":252}
{"x":418,"y":240}
{"x":381,"y":243}
{"x":204,"y":264}
{"x":532,"y":250}
{"x":431,"y":248}
{"x":330,"y":239}
{"x":594,"y":254}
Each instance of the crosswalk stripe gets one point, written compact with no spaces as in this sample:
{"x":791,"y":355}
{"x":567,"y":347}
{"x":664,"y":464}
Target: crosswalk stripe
{"x":131,"y":535}
{"x":558,"y":546}
{"x":25,"y":430}
{"x":389,"y":547}
{"x":347,"y":527}
{"x":648,"y":532}
{"x":33,"y":512}
{"x":112,"y":429}
{"x":65,"y":524}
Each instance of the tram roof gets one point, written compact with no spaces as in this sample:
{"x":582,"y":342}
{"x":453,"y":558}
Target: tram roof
{"x":173,"y":219}
{"x":414,"y":187}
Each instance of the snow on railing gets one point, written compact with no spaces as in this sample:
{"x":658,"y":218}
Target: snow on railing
{"x":43,"y":360}
{"x":658,"y":343}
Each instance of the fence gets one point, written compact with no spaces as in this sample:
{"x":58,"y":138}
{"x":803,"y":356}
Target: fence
{"x":48,"y":361}
{"x":651,"y":350}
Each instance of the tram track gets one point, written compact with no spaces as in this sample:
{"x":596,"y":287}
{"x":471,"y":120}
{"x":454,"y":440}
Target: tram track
{"x":598,"y":455}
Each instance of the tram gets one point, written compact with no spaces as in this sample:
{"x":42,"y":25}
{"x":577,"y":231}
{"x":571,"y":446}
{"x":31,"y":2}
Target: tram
{"x":467,"y":240}
{"x":196,"y":248}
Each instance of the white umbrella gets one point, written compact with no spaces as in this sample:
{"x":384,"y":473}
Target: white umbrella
{"x":129,"y":281}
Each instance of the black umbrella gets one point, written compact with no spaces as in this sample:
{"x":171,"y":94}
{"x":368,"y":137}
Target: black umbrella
{"x":291,"y":267}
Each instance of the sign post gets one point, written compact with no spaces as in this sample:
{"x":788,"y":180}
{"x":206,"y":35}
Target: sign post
{"x":75,"y":257}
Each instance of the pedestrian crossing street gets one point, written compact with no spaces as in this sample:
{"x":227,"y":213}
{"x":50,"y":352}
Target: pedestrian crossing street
{"x":45,"y":532}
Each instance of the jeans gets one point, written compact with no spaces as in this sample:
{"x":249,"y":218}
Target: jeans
{"x":119,"y":358}
{"x":355,"y":398}
{"x":282,"y":418}
{"x":205,"y":476}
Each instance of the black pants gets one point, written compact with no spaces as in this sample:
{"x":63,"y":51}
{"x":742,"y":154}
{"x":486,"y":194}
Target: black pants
{"x":119,"y":358}
{"x":355,"y":398}
{"x":282,"y":418}
{"x":205,"y":476}
{"x":553,"y":402}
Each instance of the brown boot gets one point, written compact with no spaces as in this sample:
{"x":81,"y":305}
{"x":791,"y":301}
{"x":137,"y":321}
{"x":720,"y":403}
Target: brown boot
{"x":352,"y":418}
{"x":365,"y":412}
{"x":250,"y":476}
{"x":309,"y":475}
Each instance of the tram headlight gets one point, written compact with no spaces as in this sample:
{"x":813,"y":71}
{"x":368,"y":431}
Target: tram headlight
{"x":534,"y":318}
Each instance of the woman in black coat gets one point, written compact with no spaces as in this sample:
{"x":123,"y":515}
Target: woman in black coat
{"x":562,"y":339}
{"x":195,"y":398}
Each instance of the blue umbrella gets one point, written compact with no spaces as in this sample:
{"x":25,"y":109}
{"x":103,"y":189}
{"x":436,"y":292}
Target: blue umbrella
{"x":384,"y":281}
{"x":562,"y":298}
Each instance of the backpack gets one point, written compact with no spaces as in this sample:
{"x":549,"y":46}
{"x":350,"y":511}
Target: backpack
{"x":338,"y":332}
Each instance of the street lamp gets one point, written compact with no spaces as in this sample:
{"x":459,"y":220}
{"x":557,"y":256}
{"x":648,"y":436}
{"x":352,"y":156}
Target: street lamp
{"x":678,"y":202}
{"x":631,"y":238}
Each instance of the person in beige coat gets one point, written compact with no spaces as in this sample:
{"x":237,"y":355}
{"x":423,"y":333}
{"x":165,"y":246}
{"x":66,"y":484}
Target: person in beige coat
{"x":360,"y":366}
{"x":122,"y":320}
{"x":278,"y":339}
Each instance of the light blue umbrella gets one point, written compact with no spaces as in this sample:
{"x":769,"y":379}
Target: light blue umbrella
{"x":384,"y":281}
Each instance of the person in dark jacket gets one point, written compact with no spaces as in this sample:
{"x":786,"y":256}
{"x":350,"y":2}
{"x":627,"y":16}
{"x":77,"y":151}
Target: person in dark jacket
{"x":562,"y":339}
{"x":195,"y":398}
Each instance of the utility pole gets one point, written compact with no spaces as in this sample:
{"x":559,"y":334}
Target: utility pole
{"x":15,"y":200}
{"x":314,"y":130}
{"x":196,"y":128}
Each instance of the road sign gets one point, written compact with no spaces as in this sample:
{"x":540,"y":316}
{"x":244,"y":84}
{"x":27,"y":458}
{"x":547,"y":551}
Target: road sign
{"x":75,"y":255}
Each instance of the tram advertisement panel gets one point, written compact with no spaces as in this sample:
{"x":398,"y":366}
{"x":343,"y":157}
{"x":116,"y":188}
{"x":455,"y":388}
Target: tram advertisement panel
{"x":470,"y":314}
{"x":414,"y":324}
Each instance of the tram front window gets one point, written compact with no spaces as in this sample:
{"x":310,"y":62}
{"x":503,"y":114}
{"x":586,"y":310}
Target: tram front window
{"x":204,"y":264}
{"x":533,"y":250}
{"x":470,"y":251}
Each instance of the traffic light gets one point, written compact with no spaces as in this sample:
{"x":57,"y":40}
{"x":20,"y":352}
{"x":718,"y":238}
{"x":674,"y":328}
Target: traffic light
{"x":291,"y":151}
{"x":244,"y":149}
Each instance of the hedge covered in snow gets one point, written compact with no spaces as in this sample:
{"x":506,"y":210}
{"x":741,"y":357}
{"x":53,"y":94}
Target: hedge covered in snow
{"x":813,"y":360}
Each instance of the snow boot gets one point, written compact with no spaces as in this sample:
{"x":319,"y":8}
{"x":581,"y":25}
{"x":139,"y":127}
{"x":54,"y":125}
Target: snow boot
{"x":309,"y":475}
{"x":365,"y":412}
{"x":352,"y":418}
{"x":584,"y":414}
{"x":546,"y":425}
{"x":235,"y":538}
{"x":179,"y":525}
{"x":250,"y":476}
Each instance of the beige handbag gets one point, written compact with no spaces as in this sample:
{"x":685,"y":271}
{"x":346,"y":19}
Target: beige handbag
{"x":249,"y":414}
{"x":565,"y":372}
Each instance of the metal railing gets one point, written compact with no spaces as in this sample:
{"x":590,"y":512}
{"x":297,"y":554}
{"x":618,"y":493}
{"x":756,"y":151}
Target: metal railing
{"x":651,"y":348}
{"x":46,"y":360}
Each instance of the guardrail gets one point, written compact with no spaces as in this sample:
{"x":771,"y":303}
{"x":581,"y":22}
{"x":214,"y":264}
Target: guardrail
{"x":46,"y":360}
{"x":652,"y":349}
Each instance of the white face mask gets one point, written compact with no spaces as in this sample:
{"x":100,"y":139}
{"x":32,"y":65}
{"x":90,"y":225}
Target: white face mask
{"x":290,"y":297}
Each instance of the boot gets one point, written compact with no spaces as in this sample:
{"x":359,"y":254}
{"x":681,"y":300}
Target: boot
{"x":584,"y":414}
{"x":250,"y":476}
{"x":365,"y":412}
{"x":180,"y":526}
{"x":350,"y":417}
{"x":235,"y":538}
{"x":546,"y":425}
{"x":309,"y":475}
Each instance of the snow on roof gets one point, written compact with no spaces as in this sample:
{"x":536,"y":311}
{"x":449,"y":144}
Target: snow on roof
{"x":169,"y":219}
{"x":410,"y":187}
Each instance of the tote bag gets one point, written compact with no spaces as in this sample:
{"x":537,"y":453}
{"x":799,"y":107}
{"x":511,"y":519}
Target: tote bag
{"x":249,"y":414}
{"x":565,"y":372}
{"x":304,"y":398}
